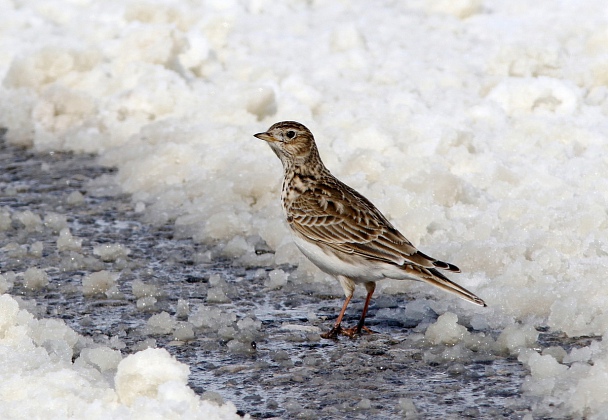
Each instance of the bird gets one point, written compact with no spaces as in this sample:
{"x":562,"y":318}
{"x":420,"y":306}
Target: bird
{"x":341,"y":231}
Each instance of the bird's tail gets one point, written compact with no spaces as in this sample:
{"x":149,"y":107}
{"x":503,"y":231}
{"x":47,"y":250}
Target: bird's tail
{"x":434,"y":277}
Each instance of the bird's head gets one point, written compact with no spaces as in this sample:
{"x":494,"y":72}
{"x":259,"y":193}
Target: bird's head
{"x":292,"y":142}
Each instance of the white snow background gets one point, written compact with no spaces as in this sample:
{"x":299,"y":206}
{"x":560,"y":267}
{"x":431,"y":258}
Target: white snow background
{"x":478,"y":127}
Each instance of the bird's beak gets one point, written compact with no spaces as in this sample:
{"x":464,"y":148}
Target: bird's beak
{"x":265,"y":136}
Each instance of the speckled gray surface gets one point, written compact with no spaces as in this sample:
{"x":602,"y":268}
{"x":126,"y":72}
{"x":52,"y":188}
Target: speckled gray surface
{"x":281,"y":369}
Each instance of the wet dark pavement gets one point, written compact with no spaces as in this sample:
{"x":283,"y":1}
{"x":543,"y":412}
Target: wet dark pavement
{"x":261,"y":348}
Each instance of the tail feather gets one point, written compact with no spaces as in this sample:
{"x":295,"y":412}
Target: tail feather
{"x":439,"y":264}
{"x":446,"y":266}
{"x":434,"y":277}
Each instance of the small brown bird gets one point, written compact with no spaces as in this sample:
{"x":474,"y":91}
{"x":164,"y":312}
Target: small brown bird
{"x":341,"y":231}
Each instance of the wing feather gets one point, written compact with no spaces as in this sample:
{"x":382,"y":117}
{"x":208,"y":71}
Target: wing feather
{"x":343,"y":219}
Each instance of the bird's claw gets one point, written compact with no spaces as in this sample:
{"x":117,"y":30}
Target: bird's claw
{"x":333,"y":333}
{"x":351,"y":332}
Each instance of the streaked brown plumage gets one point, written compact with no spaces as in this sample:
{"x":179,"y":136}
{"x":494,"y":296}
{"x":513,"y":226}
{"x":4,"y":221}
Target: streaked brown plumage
{"x":341,"y":231}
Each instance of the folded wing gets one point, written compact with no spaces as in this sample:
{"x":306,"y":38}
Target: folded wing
{"x":346,"y":221}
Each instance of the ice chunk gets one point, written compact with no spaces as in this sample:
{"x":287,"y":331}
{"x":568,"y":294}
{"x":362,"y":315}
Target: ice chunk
{"x":31,"y":221}
{"x":296,"y":327}
{"x":8,"y":313}
{"x":98,"y":283}
{"x":146,"y":303}
{"x":236,"y":247}
{"x":243,"y":347}
{"x":140,"y":289}
{"x":217,"y":280}
{"x":75,"y":198}
{"x":249,"y":324}
{"x":35,"y":279}
{"x":213,"y":397}
{"x":276,"y":279}
{"x":590,"y":388}
{"x":55,"y":222}
{"x":72,"y":261}
{"x":183,"y":308}
{"x":14,"y":250}
{"x":6,"y":282}
{"x":184,"y":331}
{"x":148,"y":343}
{"x":227,"y":332}
{"x":515,"y":337}
{"x":211,"y":317}
{"x":582,"y":354}
{"x":446,"y":330}
{"x":143,"y":373}
{"x":543,"y":367}
{"x":67,"y":242}
{"x":364,"y":404}
{"x":408,"y":408}
{"x":5,"y":219}
{"x":52,"y":330}
{"x":217,"y":295}
{"x":36,"y":249}
{"x":111,"y":252}
{"x":160,"y":324}
{"x":104,"y":358}
{"x":557,"y":352}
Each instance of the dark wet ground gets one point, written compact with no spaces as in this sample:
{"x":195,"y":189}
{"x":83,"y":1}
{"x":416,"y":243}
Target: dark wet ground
{"x":275,"y":370}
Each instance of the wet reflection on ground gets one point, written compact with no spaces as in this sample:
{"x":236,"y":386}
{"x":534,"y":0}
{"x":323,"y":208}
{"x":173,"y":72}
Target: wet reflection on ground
{"x":258,"y":348}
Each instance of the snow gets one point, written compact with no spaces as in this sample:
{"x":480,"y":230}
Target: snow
{"x":37,"y":361}
{"x":35,"y":279}
{"x":111,"y":252}
{"x":477,"y":127}
{"x":67,"y":241}
{"x":99,"y":282}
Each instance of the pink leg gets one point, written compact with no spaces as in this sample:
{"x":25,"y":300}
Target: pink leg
{"x":337,"y":329}
{"x":351,"y":332}
{"x":370,"y":291}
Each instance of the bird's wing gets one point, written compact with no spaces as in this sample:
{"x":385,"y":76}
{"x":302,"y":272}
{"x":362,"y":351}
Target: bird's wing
{"x":335,"y":214}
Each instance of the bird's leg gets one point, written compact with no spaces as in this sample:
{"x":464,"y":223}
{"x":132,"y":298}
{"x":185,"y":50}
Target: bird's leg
{"x":351,"y":332}
{"x":337,"y":329}
{"x":371,"y":287}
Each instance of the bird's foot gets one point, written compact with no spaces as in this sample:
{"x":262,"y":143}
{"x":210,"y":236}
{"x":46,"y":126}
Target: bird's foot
{"x":333,"y":333}
{"x":352,"y":332}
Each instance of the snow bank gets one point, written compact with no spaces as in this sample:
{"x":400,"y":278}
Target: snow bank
{"x":39,"y":380}
{"x":478,"y":127}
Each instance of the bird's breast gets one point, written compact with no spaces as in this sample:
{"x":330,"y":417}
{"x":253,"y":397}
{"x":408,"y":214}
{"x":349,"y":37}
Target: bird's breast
{"x":293,"y":187}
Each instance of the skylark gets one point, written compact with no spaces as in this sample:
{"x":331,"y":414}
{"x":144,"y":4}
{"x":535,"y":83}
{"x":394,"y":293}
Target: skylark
{"x":341,"y":231}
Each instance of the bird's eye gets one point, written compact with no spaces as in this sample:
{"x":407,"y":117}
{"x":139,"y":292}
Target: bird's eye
{"x":290,"y":134}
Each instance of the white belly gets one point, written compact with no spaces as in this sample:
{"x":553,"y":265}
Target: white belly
{"x":357,"y":269}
